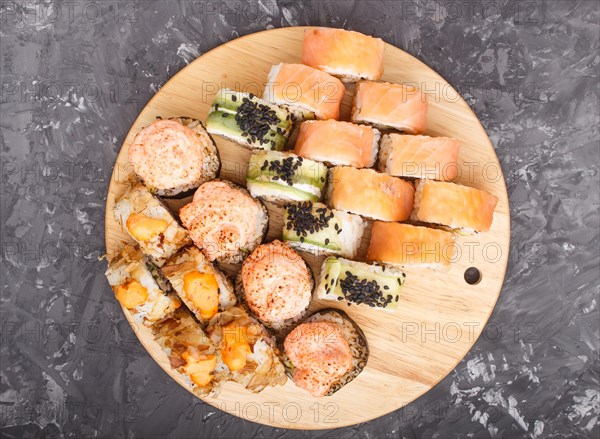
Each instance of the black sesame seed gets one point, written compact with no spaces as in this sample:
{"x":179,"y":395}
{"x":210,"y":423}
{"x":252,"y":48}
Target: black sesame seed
{"x":234,"y":98}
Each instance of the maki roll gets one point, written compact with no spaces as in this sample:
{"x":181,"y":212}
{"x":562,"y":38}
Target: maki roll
{"x":390,"y":106}
{"x":402,"y":244}
{"x":338,"y":143}
{"x":403,"y":155}
{"x":315,"y":228}
{"x":150,"y":224}
{"x":246,"y":348}
{"x":276,"y":284}
{"x":136,"y":286}
{"x":379,"y":196}
{"x":349,"y":55}
{"x":225,"y":221}
{"x":201,"y":286}
{"x":307,"y":92}
{"x":249,"y":121}
{"x":436,"y":202}
{"x":281,"y":176}
{"x":191,"y":353}
{"x":325,"y":352}
{"x":360,"y":284}
{"x":172,"y":156}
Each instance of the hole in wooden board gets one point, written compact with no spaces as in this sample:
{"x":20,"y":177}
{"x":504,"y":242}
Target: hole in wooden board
{"x":472,"y":276}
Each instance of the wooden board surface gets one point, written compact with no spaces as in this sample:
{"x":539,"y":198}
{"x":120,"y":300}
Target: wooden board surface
{"x":439,"y":316}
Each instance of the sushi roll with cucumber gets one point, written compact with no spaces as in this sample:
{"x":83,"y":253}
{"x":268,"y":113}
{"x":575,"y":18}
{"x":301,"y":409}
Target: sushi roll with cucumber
{"x":247,"y":349}
{"x":315,"y":228}
{"x":148,"y":221}
{"x":201,"y":286}
{"x":192,"y":355}
{"x":282,"y":176}
{"x":174,"y":156}
{"x":249,"y":121}
{"x":276,"y":285}
{"x":325,"y":352}
{"x":138,"y":287}
{"x":358,"y":283}
{"x":225,"y":221}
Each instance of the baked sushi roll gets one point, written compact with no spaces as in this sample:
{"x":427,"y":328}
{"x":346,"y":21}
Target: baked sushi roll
{"x":276,"y":285}
{"x":464,"y":209}
{"x":201,"y":286}
{"x":338,"y":143}
{"x":390,"y":106}
{"x":225,"y":221}
{"x":173,"y":156}
{"x":282,"y":176}
{"x":404,"y":155}
{"x":315,"y":228}
{"x":349,"y":55}
{"x":325,"y":352}
{"x":148,"y":221}
{"x":402,"y":245}
{"x":247,"y":349}
{"x":307,"y":92}
{"x":357,"y":283}
{"x":249,"y":121}
{"x":368,"y":193}
{"x":134,"y":281}
{"x":191,"y":353}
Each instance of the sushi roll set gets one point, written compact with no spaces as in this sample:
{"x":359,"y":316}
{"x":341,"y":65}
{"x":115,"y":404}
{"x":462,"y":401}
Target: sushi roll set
{"x":328,"y":181}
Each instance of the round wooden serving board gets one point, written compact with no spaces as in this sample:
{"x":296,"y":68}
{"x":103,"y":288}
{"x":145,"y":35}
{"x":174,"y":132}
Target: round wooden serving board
{"x":439,"y":315}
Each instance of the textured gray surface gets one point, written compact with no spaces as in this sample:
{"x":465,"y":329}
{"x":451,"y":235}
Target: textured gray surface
{"x":76,"y":74}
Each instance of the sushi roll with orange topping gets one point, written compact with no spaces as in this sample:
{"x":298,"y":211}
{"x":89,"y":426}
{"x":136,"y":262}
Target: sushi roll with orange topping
{"x":325,"y":352}
{"x":462,"y":208}
{"x":401,"y":245}
{"x":200,"y":285}
{"x":419,"y":156}
{"x":368,"y":193}
{"x":390,"y":106}
{"x":225,"y":221}
{"x":276,"y":284}
{"x":192,"y":354}
{"x":338,"y":143}
{"x":148,"y":221}
{"x":172,"y":156}
{"x":308,"y":92}
{"x":247,"y":349}
{"x":349,"y":55}
{"x":137,"y":286}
